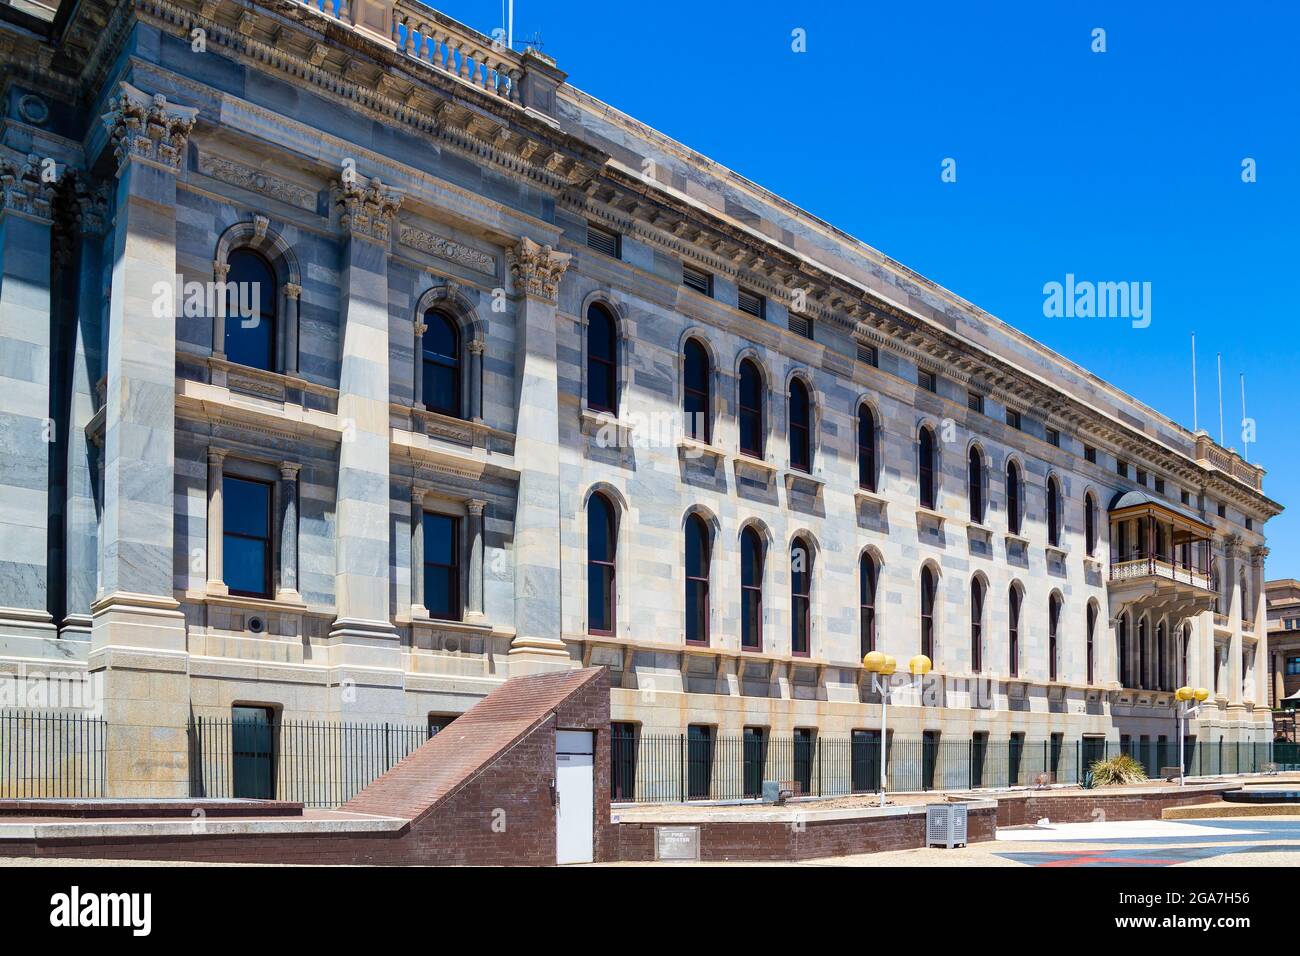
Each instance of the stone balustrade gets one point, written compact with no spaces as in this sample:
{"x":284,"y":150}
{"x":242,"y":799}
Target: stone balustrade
{"x":443,"y":44}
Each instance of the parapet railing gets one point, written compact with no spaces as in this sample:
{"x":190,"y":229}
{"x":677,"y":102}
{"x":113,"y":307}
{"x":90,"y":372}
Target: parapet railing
{"x":1154,"y":567}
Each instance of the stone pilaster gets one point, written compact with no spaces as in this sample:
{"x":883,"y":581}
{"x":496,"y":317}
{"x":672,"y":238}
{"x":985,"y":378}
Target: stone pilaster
{"x":474,"y":542}
{"x":292,"y":298}
{"x":417,"y":381}
{"x":26,"y":221}
{"x":216,"y":583}
{"x":417,"y":553}
{"x":476,"y":350}
{"x":219,"y":272}
{"x":536,"y":271}
{"x":138,"y":632}
{"x":288,"y":586}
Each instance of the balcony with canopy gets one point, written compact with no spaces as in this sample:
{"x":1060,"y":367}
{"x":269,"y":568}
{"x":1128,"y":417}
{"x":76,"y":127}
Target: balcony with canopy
{"x":1159,"y":558}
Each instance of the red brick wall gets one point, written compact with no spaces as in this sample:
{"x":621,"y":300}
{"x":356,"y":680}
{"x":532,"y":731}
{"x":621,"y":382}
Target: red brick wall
{"x":1019,"y":810}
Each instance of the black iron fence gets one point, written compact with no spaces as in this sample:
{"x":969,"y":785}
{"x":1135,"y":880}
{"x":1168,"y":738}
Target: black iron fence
{"x":55,"y":754}
{"x":701,"y":765}
{"x":316,"y":763}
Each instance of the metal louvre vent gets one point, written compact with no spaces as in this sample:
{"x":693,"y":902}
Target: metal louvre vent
{"x":868,"y":354}
{"x":945,"y":824}
{"x":602,"y":240}
{"x":751,"y":302}
{"x":695,"y":279}
{"x":801,"y":325}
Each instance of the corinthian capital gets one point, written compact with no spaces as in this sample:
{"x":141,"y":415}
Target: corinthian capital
{"x":366,"y":207}
{"x":537,"y":269}
{"x":148,"y":128}
{"x":23,"y":189}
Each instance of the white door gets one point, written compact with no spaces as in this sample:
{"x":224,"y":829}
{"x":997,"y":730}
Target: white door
{"x":575,"y":796}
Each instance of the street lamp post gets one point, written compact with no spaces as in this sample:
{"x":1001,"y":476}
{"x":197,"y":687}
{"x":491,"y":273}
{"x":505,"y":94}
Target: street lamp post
{"x":881,"y":665}
{"x":1188,"y":702}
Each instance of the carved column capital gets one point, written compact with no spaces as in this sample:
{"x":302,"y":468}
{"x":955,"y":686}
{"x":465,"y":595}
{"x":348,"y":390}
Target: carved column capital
{"x":148,"y":128}
{"x":537,"y":269}
{"x":476,"y":347}
{"x":475,"y":506}
{"x":24,"y":190}
{"x":292,"y":291}
{"x":216,"y":456}
{"x":289,"y":470}
{"x":420,"y":328}
{"x":1258,"y":554}
{"x":367,"y":208}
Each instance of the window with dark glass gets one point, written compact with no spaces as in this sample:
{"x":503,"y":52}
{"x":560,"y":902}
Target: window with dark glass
{"x":697,"y":580}
{"x":751,"y":590}
{"x":928,"y":585}
{"x":1090,"y":524}
{"x":800,"y":597}
{"x":926,"y":468}
{"x":247,"y":536}
{"x":602,"y":365}
{"x":1141,"y":477}
{"x":1121,"y":468}
{"x":699,"y":756}
{"x":252,"y":748}
{"x":695,"y":392}
{"x":866,"y":448}
{"x":439,"y":723}
{"x":1053,"y":437}
{"x":1053,"y":618}
{"x":804,"y":755}
{"x":755,"y":747}
{"x":751,"y":409}
{"x":867,"y":577}
{"x":440,"y":352}
{"x":1013,"y":418}
{"x":441,"y":566}
{"x":600,"y":565}
{"x":1013,"y":630}
{"x":622,"y":761}
{"x":800,"y":426}
{"x":976,"y":625}
{"x":1090,"y":454}
{"x":1013,"y":497}
{"x":975,"y":485}
{"x":1053,"y":512}
{"x":975,"y":402}
{"x":250,"y":312}
{"x":1125,"y":675}
{"x":1092,"y":636}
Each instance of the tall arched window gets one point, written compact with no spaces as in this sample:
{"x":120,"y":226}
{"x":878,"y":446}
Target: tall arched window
{"x":1090,"y":655}
{"x":1013,"y":630}
{"x":925,"y":468}
{"x":1246,"y":616}
{"x":751,"y":590}
{"x":975,"y":485}
{"x":1125,"y":671}
{"x":800,"y":426}
{"x":1053,"y":621}
{"x":1142,"y":654}
{"x":928,"y":587}
{"x":801,"y":560}
{"x":1162,"y":658}
{"x":1053,"y":512}
{"x":1183,"y":676}
{"x":697,"y":580}
{"x":868,"y":575}
{"x":866,"y":448}
{"x":976,"y":625}
{"x":1013,"y":497}
{"x":601,"y":546}
{"x":602,"y":359}
{"x":251,"y":312}
{"x":751,"y":409}
{"x":440,"y":353}
{"x":695,"y":392}
{"x":1089,"y":523}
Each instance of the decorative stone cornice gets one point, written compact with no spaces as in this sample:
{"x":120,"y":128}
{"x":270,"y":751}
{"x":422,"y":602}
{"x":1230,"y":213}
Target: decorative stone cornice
{"x":148,"y":128}
{"x":367,"y":208}
{"x":23,"y":189}
{"x":537,"y":269}
{"x":449,"y":249}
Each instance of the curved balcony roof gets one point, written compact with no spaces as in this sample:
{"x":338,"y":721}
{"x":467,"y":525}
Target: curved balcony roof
{"x":1135,"y":503}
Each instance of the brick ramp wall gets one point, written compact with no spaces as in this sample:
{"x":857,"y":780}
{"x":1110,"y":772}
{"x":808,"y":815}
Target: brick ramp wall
{"x":1022,"y":809}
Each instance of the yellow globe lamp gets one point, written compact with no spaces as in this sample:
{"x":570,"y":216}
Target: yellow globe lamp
{"x":874,"y":662}
{"x":891,"y":665}
{"x":920,"y":664}
{"x":1202,"y":694}
{"x":1184,"y":693}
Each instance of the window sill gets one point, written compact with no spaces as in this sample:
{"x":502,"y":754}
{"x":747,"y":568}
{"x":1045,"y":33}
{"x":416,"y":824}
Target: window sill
{"x":1089,"y":561}
{"x":864,"y":497}
{"x":468,"y":627}
{"x":755,"y":467}
{"x":694,"y":448}
{"x":929,"y":514}
{"x":284,"y":601}
{"x":603,"y":425}
{"x":1012,"y":538}
{"x":1060,"y":552}
{"x":804,"y":480}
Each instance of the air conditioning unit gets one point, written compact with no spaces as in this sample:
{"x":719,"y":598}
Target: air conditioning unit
{"x":945,"y":824}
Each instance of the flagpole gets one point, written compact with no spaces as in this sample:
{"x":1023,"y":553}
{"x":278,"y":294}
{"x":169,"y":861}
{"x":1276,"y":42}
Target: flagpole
{"x":1195,"y":422}
{"x":1245,"y":445}
{"x":1221,"y":401}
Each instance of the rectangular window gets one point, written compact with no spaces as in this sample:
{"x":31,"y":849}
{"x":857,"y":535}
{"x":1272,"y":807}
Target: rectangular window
{"x":1250,"y":524}
{"x":1160,"y":486}
{"x":439,"y":722}
{"x":441,"y":566}
{"x":752,"y":302}
{"x":868,"y":355}
{"x":700,"y":281}
{"x":1223,"y":510}
{"x":864,"y":759}
{"x":1142,"y":477}
{"x":247,"y":536}
{"x":1090,"y":454}
{"x":927,"y":380}
{"x":1054,"y":437}
{"x":1186,"y":497}
{"x":929,"y":758}
{"x":1121,"y":468}
{"x":699,"y":757}
{"x":755,"y":756}
{"x":1015,"y":757}
{"x":805,"y":745}
{"x":975,"y":402}
{"x":1293,"y":666}
{"x":622,"y":761}
{"x":801,"y":325}
{"x":1013,"y":418}
{"x":252,"y":748}
{"x":604,"y":241}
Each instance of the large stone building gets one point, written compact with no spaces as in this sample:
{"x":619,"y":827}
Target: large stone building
{"x":1282,"y":599}
{"x":351,"y":363}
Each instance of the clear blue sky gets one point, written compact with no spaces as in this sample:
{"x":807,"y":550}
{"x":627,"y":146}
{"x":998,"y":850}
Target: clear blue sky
{"x":1118,"y":166}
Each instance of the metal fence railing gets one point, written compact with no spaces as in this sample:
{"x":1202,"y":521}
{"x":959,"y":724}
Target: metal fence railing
{"x":55,"y":754}
{"x":701,"y":765}
{"x":316,"y":763}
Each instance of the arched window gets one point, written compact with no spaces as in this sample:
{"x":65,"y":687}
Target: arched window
{"x":1162,"y":658}
{"x":1053,"y":620}
{"x":868,"y":575}
{"x":602,"y":359}
{"x":928,"y":587}
{"x":440,"y":353}
{"x":975,"y":485}
{"x":976,"y":625}
{"x":1125,"y":671}
{"x":1142,"y":654}
{"x":1089,"y":523}
{"x":925,"y":469}
{"x":866,"y":448}
{"x":1013,"y":630}
{"x":751,"y":409}
{"x":1184,"y":677}
{"x":1053,"y":512}
{"x":695,"y":392}
{"x":751,"y":590}
{"x":1090,"y":656}
{"x":800,"y":426}
{"x":1013,"y":497}
{"x":1216,"y":586}
{"x":697,"y":580}
{"x":251,"y":312}
{"x":801,"y":560}
{"x":1246,"y":616}
{"x":601,"y":545}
